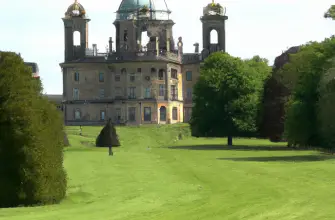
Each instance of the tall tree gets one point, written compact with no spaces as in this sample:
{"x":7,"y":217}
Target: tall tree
{"x":303,"y":75}
{"x":275,"y":95}
{"x":226,"y":97}
{"x":31,"y":139}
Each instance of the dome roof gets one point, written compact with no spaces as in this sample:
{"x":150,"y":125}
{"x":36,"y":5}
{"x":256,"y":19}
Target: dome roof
{"x":75,"y":10}
{"x":128,"y":9}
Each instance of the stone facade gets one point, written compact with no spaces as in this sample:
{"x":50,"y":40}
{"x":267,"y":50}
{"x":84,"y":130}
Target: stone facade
{"x":133,"y":84}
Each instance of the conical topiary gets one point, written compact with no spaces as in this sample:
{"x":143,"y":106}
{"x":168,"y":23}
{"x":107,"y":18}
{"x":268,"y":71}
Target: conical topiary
{"x":108,"y":136}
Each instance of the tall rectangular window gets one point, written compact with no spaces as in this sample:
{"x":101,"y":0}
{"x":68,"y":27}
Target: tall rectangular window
{"x":76,"y":94}
{"x":161,"y":89}
{"x":174,"y":74}
{"x":118,"y":114}
{"x":76,"y":76}
{"x":117,"y":78}
{"x":132,"y":114}
{"x":189,"y":75}
{"x":147,"y":94}
{"x":132,"y":77}
{"x":102,"y":115}
{"x":174,"y":113}
{"x":147,"y":113}
{"x":174,"y":92}
{"x":101,"y":93}
{"x":131,"y":93}
{"x":101,"y":77}
{"x":189,"y":93}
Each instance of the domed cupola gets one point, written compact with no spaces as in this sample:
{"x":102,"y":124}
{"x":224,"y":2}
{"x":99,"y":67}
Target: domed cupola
{"x":75,"y":10}
{"x":128,"y":9}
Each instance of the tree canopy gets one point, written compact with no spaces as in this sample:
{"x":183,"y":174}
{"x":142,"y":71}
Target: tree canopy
{"x":330,"y":13}
{"x":31,"y":139}
{"x":303,"y":76}
{"x":275,"y":95}
{"x":226,"y":96}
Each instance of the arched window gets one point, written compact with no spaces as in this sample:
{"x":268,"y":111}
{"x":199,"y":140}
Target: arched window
{"x":162,"y":113}
{"x":77,"y":114}
{"x":214,"y":36}
{"x":123,"y":70}
{"x":76,"y":38}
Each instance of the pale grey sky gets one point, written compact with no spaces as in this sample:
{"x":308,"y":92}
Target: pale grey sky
{"x":259,"y":27}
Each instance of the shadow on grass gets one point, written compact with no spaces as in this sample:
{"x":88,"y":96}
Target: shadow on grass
{"x":237,"y":147}
{"x":297,"y":158}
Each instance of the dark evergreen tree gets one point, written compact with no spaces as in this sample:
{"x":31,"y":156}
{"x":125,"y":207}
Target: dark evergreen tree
{"x":275,"y":97}
{"x":31,"y":139}
{"x":108,"y":136}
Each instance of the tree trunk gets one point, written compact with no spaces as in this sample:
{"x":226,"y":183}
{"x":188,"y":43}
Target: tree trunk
{"x":230,"y":141}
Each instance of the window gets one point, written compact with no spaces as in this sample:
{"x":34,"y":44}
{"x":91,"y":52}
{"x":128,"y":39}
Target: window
{"x":189,"y":93}
{"x":132,"y":114}
{"x":77,"y":114}
{"x":132,"y":77}
{"x":101,"y":77}
{"x":174,"y":113}
{"x":174,"y":74}
{"x":118,"y":91}
{"x":131,"y":93}
{"x":123,"y":71}
{"x":117,"y":114}
{"x":76,"y":76}
{"x":161,"y":74}
{"x":174,"y":92}
{"x":102,"y":115}
{"x":161,"y":90}
{"x":76,"y":94}
{"x":139,"y":70}
{"x":153,"y":71}
{"x":117,"y":78}
{"x":101,"y":93}
{"x":147,"y":94}
{"x":162,"y":113}
{"x":189,"y":75}
{"x":147,"y":113}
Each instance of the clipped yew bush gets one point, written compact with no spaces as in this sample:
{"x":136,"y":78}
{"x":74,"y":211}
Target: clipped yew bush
{"x":108,"y":136}
{"x":31,"y":139}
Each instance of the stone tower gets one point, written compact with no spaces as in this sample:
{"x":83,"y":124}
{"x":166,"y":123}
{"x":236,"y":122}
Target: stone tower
{"x":214,"y":17}
{"x":137,"y":16}
{"x":75,"y":20}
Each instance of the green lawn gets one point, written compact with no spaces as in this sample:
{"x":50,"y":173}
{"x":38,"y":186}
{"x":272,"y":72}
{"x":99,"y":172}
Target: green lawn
{"x":152,"y":176}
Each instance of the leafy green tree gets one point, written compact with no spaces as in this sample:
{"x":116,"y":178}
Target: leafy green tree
{"x":303,"y":75}
{"x":31,"y":139}
{"x":226,"y":97}
{"x":330,"y":12}
{"x":325,"y":107}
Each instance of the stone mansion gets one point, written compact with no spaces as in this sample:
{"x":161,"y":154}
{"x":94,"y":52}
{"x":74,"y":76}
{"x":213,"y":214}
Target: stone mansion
{"x":136,"y":82}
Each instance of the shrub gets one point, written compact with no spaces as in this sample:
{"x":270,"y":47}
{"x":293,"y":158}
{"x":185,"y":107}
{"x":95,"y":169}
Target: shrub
{"x":31,"y":139}
{"x":108,"y":136}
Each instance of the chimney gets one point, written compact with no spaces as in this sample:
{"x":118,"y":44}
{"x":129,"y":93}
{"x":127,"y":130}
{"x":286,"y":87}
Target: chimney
{"x":111,"y":45}
{"x":196,"y":47}
{"x":94,"y":49}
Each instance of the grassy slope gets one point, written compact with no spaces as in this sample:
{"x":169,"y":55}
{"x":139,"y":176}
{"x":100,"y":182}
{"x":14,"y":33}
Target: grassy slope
{"x":188,"y":181}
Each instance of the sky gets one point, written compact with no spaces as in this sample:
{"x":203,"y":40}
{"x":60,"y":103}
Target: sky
{"x":35,"y":29}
